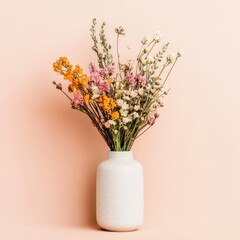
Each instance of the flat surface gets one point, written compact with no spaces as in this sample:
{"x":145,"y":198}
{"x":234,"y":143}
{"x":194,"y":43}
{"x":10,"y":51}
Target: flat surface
{"x":94,"y":233}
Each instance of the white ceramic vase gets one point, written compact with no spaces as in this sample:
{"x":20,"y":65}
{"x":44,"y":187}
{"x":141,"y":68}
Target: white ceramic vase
{"x":120,"y":201}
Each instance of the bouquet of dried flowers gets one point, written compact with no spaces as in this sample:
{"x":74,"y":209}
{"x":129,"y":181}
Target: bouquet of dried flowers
{"x":120,"y":99}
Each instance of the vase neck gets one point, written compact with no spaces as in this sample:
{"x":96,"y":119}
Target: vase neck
{"x":120,"y":155}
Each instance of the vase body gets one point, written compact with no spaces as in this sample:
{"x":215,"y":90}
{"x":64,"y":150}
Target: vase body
{"x":119,"y":196}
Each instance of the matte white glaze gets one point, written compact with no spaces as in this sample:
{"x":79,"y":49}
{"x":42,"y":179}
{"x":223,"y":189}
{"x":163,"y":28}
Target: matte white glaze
{"x":120,"y":201}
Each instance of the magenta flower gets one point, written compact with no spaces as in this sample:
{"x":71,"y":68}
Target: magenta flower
{"x":104,"y":87}
{"x":111,"y":69}
{"x":142,"y":80}
{"x":103,"y":72}
{"x":131,"y":80}
{"x":92,"y":68}
{"x":151,"y":120}
{"x":78,"y":98}
{"x":95,"y":78}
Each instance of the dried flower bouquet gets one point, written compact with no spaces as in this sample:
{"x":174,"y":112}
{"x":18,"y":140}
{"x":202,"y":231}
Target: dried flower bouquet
{"x":120,"y":99}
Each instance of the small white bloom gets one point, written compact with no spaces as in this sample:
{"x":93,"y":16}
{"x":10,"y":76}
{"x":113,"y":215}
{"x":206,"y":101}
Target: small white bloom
{"x":143,"y":61}
{"x":146,"y":50}
{"x":150,"y":59}
{"x":171,"y":57}
{"x":140,"y":91}
{"x":112,"y":122}
{"x":145,"y":39}
{"x":126,"y":120}
{"x":94,"y":88}
{"x":144,"y":68}
{"x":136,"y":107}
{"x":126,"y":98}
{"x":115,"y":131}
{"x":154,"y":106}
{"x":148,"y":87}
{"x":125,"y":106}
{"x":133,"y":94}
{"x":119,"y":102}
{"x":180,"y":52}
{"x":95,"y":95}
{"x":123,"y":113}
{"x":157,"y":36}
{"x":135,"y":115}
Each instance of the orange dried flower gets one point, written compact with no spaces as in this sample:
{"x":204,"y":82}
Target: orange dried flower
{"x":87,"y":98}
{"x":115,"y":115}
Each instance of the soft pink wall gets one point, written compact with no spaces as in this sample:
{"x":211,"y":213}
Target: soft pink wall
{"x":49,"y":152}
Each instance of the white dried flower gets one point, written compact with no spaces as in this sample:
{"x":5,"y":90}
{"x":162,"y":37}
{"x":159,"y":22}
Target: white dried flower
{"x":115,"y":131}
{"x":148,"y":87}
{"x":146,"y":50}
{"x":119,"y":102}
{"x":135,"y":115}
{"x":180,"y":52}
{"x":133,"y":94}
{"x":123,"y":113}
{"x":140,"y":91}
{"x":143,"y":61}
{"x":126,"y":98}
{"x":125,"y":106}
{"x":112,"y":122}
{"x":95,"y":95}
{"x":126,"y":120}
{"x":136,"y":107}
{"x":145,"y":39}
{"x":144,"y":68}
{"x":157,"y":36}
{"x":150,"y":59}
{"x":171,"y":57}
{"x":94,"y":88}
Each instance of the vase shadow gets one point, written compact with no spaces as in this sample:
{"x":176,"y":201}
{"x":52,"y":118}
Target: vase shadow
{"x":72,"y":206}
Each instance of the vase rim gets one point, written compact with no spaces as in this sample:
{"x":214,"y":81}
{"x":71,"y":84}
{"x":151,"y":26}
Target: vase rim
{"x":120,"y":151}
{"x":121,"y":154}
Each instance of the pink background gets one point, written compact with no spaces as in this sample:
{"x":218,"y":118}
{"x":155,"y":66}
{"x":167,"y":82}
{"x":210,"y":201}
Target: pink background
{"x":49,"y":152}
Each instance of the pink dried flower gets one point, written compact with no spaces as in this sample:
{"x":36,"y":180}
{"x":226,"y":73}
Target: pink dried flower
{"x":131,"y":80}
{"x":103,"y":72}
{"x":142,"y":80}
{"x":95,"y":78}
{"x":92,"y":68}
{"x":107,"y":124}
{"x":151,"y":120}
{"x":111,"y":69}
{"x":78,"y":98}
{"x":104,"y":86}
{"x":156,"y":115}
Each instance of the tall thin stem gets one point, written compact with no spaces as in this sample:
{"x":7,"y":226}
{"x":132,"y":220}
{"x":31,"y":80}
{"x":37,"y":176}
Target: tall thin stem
{"x":118,"y":57}
{"x":170,"y":71}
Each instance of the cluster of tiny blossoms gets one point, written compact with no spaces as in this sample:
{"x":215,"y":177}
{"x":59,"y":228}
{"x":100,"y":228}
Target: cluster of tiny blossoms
{"x":121,"y":100}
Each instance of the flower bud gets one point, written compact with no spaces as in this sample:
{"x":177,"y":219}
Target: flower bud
{"x":180,"y":53}
{"x":145,"y":40}
{"x":171,"y":57}
{"x":157,"y":37}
